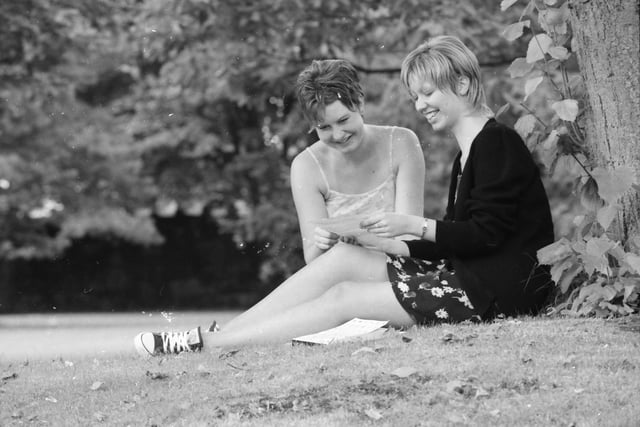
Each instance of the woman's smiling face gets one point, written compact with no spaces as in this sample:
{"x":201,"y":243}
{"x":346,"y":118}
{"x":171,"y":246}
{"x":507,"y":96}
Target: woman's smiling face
{"x":340,"y":127}
{"x":441,"y":108}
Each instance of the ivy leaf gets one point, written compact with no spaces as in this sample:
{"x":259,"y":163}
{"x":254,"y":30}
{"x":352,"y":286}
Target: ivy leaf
{"x":566,"y":109}
{"x":606,"y":215}
{"x":558,"y":269}
{"x":538,"y":46}
{"x":548,"y":151}
{"x":514,"y":31}
{"x":613,"y":184}
{"x":559,"y":52}
{"x":568,"y":276}
{"x":592,"y":263}
{"x":525,"y":124}
{"x":593,"y":257}
{"x":589,"y":197}
{"x":531,"y":85}
{"x":598,"y":246}
{"x":519,"y":67}
{"x":506,"y":4}
{"x":554,"y":20}
{"x":634,"y":261}
{"x":555,"y":252}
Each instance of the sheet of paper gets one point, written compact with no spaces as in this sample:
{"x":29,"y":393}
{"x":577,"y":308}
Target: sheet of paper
{"x":346,"y":225}
{"x":353,"y":328}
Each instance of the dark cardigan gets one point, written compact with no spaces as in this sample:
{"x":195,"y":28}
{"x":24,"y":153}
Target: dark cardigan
{"x":490,"y":234}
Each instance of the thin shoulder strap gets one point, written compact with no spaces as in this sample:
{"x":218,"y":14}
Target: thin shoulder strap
{"x":393,"y":129}
{"x":324,"y":177}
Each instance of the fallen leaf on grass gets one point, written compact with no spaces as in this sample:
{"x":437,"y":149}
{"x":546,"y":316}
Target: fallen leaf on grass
{"x":99,"y":416}
{"x":404,"y":372}
{"x":481,"y":392}
{"x":68,"y":363}
{"x":466,"y":389}
{"x":9,"y":376}
{"x":227,"y":354}
{"x":51,"y":399}
{"x":373,"y":413}
{"x":97,"y":385}
{"x":449,"y":338}
{"x":157,"y":375}
{"x":525,"y":358}
{"x":569,"y":361}
{"x":406,"y":338}
{"x":139,"y":397}
{"x":361,"y":350}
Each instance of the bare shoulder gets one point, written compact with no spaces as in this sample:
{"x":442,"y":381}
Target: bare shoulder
{"x":405,"y":142}
{"x":305,"y":171}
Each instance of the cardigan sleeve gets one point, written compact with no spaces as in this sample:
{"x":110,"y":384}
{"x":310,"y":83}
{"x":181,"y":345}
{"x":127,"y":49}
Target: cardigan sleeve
{"x":501,"y":169}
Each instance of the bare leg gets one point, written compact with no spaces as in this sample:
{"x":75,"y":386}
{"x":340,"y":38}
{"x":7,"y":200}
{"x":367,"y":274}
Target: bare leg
{"x":342,"y":263}
{"x":334,"y":307}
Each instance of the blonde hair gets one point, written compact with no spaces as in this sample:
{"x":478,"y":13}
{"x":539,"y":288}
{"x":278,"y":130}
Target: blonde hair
{"x":443,"y":60}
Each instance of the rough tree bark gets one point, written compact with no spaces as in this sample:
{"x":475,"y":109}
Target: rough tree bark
{"x":607,"y":36}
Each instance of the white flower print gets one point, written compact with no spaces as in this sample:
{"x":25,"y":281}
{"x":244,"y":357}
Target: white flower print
{"x":403,"y":276}
{"x":404,"y":288}
{"x":424,"y":285}
{"x":448,"y":289}
{"x":397,"y":264}
{"x":465,"y":300}
{"x":442,"y":314}
{"x":444,"y":282}
{"x":437,"y":292}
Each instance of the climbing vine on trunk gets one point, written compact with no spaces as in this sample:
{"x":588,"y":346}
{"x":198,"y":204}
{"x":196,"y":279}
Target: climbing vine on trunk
{"x":597,"y":267}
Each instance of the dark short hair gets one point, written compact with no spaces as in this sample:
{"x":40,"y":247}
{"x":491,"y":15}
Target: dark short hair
{"x":324,"y":82}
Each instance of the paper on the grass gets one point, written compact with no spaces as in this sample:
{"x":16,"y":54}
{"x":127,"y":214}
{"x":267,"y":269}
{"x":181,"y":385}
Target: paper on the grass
{"x":354,"y":328}
{"x":345,"y":225}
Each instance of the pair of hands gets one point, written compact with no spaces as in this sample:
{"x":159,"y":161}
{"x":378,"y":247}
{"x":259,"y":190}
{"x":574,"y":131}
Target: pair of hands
{"x":380,"y":227}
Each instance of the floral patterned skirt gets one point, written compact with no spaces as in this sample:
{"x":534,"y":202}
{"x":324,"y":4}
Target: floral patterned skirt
{"x":428,"y":291}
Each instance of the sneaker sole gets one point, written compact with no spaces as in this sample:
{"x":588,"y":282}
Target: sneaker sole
{"x":144,"y":350}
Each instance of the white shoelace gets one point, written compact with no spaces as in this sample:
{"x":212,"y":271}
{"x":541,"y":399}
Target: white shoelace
{"x":174,"y":342}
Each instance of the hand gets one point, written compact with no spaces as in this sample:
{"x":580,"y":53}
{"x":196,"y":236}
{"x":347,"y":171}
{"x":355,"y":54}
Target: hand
{"x":324,"y":239}
{"x":382,"y":244}
{"x":386,"y":224}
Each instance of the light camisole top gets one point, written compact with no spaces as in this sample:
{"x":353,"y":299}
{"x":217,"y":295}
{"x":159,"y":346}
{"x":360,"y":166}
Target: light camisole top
{"x":379,"y":199}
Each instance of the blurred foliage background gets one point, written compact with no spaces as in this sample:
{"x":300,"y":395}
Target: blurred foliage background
{"x":145,"y":145}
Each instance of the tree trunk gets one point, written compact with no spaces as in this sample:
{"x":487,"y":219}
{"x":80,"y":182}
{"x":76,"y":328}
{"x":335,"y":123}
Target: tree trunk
{"x":607,"y":37}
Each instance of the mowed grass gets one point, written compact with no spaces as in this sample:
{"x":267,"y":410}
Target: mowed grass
{"x":533,"y":371}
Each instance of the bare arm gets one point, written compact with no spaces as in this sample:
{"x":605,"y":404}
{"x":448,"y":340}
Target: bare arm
{"x":409,"y":159}
{"x":406,"y":221}
{"x":310,"y":206}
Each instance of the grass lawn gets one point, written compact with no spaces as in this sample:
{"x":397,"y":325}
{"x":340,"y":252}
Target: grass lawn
{"x":540,"y":371}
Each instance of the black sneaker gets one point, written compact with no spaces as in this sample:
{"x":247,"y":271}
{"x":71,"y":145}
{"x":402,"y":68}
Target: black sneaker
{"x":156,"y":343}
